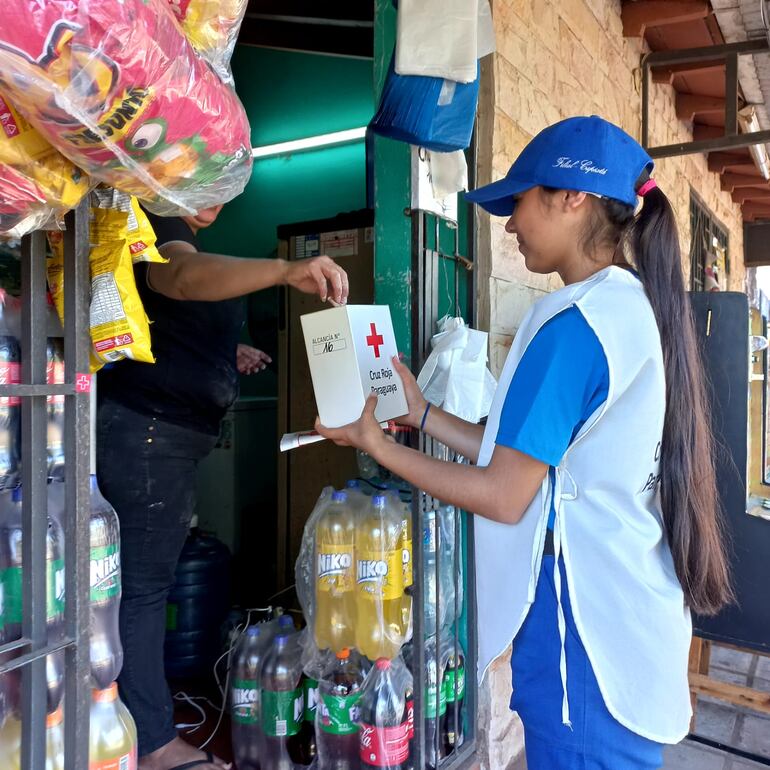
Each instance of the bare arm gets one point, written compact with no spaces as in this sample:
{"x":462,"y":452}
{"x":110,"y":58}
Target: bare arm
{"x":501,"y":491}
{"x":460,"y":435}
{"x":197,"y":275}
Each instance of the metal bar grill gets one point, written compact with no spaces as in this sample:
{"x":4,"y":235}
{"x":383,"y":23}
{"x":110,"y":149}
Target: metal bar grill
{"x":77,"y":438}
{"x":730,"y":52}
{"x":428,"y":268}
{"x":30,"y":655}
{"x":34,"y":500}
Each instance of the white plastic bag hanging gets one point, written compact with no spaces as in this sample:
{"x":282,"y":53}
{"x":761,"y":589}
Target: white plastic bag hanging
{"x":443,"y":38}
{"x":455,"y":376}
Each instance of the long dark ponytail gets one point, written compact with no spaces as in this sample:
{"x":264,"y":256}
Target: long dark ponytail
{"x":689,"y":499}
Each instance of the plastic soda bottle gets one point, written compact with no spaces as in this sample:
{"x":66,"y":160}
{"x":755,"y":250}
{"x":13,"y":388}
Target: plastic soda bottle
{"x":307,"y":731}
{"x":335,"y":608}
{"x":339,"y":717}
{"x":55,"y":407}
{"x":112,"y":735}
{"x":435,"y":707}
{"x":104,"y":557}
{"x":282,"y":703}
{"x":454,"y":688}
{"x":10,"y":406}
{"x":380,"y":628}
{"x":384,"y":738}
{"x":244,"y":698}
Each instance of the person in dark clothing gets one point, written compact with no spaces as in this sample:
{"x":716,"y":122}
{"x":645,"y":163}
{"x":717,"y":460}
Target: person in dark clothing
{"x":156,"y":422}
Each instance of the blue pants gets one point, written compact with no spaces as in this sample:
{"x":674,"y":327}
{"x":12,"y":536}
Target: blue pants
{"x":147,"y":469}
{"x":597,"y":741}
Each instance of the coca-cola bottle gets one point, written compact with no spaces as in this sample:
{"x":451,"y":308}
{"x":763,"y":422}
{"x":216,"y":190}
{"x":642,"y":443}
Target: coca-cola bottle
{"x":384,"y":739}
{"x":282,"y":702}
{"x":106,"y":649}
{"x":244,"y":698}
{"x":339,"y":692}
{"x":10,"y":406}
{"x":55,"y":408}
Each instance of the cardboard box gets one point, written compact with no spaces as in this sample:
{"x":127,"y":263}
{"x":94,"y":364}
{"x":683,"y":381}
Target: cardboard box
{"x":349,"y":350}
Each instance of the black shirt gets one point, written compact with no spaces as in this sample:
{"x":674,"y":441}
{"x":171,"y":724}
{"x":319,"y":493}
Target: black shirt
{"x":195,"y":377}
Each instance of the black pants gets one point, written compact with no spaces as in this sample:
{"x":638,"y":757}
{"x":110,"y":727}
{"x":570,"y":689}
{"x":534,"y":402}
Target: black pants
{"x":146,"y":469}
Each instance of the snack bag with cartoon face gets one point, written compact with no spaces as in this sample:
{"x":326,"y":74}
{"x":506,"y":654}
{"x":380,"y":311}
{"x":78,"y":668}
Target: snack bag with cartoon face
{"x":119,"y":90}
{"x":37,"y":183}
{"x":212,"y":28}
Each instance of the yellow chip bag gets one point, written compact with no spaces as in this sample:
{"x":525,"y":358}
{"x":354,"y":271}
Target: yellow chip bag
{"x":37,"y":183}
{"x":119,"y":326}
{"x":141,"y":236}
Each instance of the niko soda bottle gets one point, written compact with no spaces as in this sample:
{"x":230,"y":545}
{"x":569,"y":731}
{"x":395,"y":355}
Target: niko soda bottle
{"x":335,"y":618}
{"x":380,"y":626}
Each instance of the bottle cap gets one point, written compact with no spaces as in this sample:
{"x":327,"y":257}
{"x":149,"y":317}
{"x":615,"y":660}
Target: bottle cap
{"x":383,"y":664}
{"x":253,"y":631}
{"x":286,"y":621}
{"x":353,"y":484}
{"x":107,"y":695}
{"x":339,"y":497}
{"x":344,"y":653}
{"x":16,"y":494}
{"x":52,"y":720}
{"x":379,"y":500}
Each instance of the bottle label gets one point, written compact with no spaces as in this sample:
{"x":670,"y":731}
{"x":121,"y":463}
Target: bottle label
{"x":340,"y":714}
{"x":310,"y":686}
{"x":245,"y":699}
{"x":335,"y":568}
{"x":55,"y":597}
{"x":11,"y":579}
{"x":454,"y":684}
{"x":406,"y":556}
{"x":384,"y":746}
{"x":10,"y":374}
{"x":124,"y":762}
{"x":282,"y":712}
{"x":380,"y":574}
{"x":105,"y":573}
{"x":434,"y":699}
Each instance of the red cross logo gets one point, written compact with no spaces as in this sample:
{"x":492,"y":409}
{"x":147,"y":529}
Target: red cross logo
{"x":374,"y":340}
{"x":83,"y":383}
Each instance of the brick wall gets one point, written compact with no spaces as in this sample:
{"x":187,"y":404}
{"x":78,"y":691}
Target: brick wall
{"x":555,"y":59}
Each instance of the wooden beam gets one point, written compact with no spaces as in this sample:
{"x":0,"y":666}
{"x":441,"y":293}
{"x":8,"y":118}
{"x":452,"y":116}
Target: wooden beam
{"x":756,"y":700}
{"x":701,"y":131}
{"x":638,"y":15}
{"x":690,"y":105}
{"x":719,"y":161}
{"x":668,"y":73}
{"x":752,"y":210}
{"x":730,"y":181}
{"x":751,"y":194}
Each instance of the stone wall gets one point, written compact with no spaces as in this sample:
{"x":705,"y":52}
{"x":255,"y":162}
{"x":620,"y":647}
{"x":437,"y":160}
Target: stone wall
{"x":555,"y":59}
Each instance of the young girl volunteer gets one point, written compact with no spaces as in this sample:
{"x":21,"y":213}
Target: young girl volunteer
{"x":593,"y":481}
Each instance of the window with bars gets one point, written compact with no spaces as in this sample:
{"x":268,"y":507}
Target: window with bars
{"x":709,"y":259}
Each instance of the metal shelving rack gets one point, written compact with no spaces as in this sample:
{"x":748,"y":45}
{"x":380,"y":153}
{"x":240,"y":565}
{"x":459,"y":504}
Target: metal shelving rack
{"x":28,"y":654}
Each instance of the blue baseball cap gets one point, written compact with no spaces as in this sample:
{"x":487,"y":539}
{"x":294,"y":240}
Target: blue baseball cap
{"x":588,"y":154}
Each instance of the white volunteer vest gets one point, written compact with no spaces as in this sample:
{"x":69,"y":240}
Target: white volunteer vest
{"x":626,"y":599}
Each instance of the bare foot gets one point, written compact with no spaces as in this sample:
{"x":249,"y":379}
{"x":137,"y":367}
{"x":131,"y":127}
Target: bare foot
{"x":175,"y":753}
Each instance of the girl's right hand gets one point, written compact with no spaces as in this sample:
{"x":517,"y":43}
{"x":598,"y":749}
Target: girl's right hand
{"x":414,"y":398}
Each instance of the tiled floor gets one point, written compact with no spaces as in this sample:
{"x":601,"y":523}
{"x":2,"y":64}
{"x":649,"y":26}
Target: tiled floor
{"x":730,"y":725}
